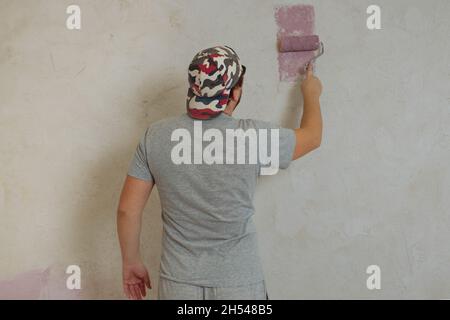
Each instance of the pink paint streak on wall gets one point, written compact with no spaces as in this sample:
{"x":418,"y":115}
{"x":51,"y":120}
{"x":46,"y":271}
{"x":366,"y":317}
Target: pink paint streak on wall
{"x":296,"y":20}
{"x":25,"y":286}
{"x":38,"y":285}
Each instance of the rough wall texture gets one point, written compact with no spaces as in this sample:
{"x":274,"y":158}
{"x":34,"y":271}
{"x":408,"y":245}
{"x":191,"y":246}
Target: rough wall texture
{"x":74,"y":103}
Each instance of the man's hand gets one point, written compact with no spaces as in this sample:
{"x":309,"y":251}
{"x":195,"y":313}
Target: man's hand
{"x":311,"y":85}
{"x":135,"y":279}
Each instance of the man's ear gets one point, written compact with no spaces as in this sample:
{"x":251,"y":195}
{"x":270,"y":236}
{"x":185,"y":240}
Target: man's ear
{"x":241,"y":81}
{"x":234,"y":94}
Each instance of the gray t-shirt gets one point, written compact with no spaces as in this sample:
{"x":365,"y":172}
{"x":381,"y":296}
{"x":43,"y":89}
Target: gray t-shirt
{"x":209,"y":237}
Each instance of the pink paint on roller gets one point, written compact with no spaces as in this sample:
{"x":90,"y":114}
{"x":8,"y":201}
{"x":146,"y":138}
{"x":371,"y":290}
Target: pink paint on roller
{"x":296,"y":20}
{"x":302,"y":43}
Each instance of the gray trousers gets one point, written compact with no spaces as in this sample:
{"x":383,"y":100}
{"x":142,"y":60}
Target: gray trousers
{"x":172,"y":290}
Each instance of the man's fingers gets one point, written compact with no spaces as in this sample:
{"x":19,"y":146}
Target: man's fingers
{"x":126,"y":289}
{"x":309,"y":70}
{"x":142,"y":288}
{"x":130,"y":291}
{"x":147,"y":281}
{"x":136,"y":291}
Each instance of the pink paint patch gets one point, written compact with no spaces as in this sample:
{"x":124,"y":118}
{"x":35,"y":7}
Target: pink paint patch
{"x":296,"y":20}
{"x":38,"y":285}
{"x":26,"y":286}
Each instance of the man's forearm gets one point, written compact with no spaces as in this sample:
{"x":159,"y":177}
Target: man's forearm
{"x":129,"y":229}
{"x":312,"y":117}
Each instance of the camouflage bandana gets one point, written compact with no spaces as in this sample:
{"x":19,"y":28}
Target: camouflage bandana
{"x":213,"y":72}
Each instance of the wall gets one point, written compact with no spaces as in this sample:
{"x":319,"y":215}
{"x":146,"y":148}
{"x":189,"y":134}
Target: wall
{"x":74,"y":103}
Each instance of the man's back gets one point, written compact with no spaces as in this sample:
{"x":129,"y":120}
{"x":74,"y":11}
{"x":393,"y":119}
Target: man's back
{"x":205,"y":164}
{"x":209,"y":237}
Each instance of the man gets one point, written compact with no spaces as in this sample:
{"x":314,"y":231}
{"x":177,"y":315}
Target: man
{"x":209,"y":245}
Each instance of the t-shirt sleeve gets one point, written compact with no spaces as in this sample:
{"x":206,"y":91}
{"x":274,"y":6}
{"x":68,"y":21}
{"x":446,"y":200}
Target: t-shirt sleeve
{"x":287,"y":146}
{"x":138,"y":166}
{"x":286,"y":142}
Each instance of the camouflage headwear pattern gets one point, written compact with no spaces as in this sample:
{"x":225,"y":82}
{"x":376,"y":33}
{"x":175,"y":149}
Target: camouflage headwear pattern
{"x":213,"y":72}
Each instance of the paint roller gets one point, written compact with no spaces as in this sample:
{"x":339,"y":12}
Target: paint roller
{"x":301,"y":43}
